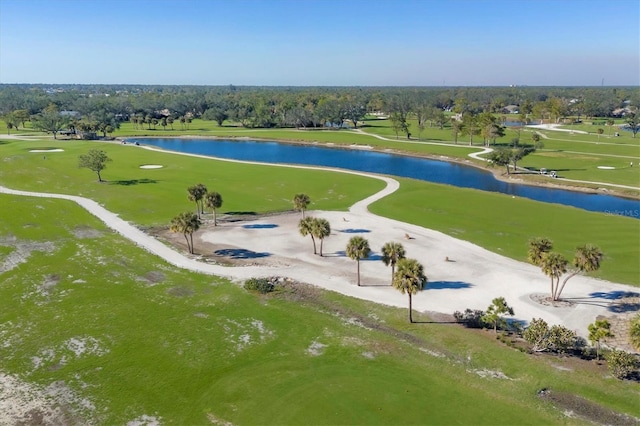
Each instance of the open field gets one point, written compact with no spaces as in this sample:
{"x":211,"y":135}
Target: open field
{"x":153,"y":197}
{"x":145,"y":341}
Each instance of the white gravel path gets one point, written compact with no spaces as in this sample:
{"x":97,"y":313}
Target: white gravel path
{"x":471,"y":279}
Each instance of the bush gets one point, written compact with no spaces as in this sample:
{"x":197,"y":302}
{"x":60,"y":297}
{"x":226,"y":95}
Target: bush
{"x":634,"y":332}
{"x":470,"y":318}
{"x":261,"y":285}
{"x":620,"y":363}
{"x":554,"y":339}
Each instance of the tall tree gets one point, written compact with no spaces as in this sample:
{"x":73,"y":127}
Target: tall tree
{"x":392,"y":252}
{"x":186,"y":223}
{"x":409,"y":278}
{"x":305,"y":226}
{"x":213,"y":200}
{"x":610,"y":124}
{"x":586,"y":259}
{"x":301,"y":202}
{"x":633,"y":123}
{"x":94,"y":160}
{"x":196,"y":194}
{"x":321,"y":229}
{"x":358,"y":248}
{"x":554,"y":265}
{"x":538,"y":248}
{"x":50,"y":121}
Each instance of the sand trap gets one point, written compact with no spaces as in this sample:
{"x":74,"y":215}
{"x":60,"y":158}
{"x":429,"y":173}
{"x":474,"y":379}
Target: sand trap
{"x":151,"y":166}
{"x":606,"y":167}
{"x":47,"y":150}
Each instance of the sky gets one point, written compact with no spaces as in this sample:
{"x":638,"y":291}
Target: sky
{"x":321,"y":42}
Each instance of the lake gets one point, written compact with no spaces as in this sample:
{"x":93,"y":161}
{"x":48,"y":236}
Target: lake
{"x":395,"y":165}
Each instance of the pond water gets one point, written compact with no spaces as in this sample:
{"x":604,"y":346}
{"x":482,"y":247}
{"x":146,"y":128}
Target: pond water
{"x":394,"y":165}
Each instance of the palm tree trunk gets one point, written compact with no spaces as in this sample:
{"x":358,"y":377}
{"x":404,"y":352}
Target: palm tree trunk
{"x":564,"y":282}
{"x":314,"y":244}
{"x":215,"y":219}
{"x":358,"y":262}
{"x":410,"y":309}
{"x":191,"y":237}
{"x":321,"y":241}
{"x":187,"y":239}
{"x":392,"y":272}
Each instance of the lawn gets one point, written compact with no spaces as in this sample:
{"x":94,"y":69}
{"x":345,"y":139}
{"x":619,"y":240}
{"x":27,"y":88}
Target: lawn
{"x":129,"y":336}
{"x":152,"y":197}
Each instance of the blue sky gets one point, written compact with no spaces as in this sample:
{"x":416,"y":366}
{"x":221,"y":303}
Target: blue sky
{"x":321,"y":42}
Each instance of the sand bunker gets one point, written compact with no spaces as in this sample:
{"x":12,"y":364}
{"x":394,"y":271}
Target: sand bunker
{"x":151,"y":166}
{"x":606,"y":167}
{"x":47,"y":150}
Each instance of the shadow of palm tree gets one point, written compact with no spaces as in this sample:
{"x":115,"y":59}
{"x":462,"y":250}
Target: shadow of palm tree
{"x":240,"y":254}
{"x":261,"y":226}
{"x":446,"y":285}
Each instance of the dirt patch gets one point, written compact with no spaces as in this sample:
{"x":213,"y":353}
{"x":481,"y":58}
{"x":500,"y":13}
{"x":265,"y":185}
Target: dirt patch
{"x":180,"y":292}
{"x":49,"y":282}
{"x":545,"y":299}
{"x":22,"y":251}
{"x":24,"y":403}
{"x":82,"y":232}
{"x":576,"y":406}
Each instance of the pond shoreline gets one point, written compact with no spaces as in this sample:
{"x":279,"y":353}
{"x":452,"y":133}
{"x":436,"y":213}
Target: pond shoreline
{"x":498,"y":173}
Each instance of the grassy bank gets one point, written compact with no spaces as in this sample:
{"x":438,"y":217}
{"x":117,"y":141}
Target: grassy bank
{"x":132,"y":336}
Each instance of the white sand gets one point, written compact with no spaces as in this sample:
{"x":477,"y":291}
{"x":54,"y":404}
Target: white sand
{"x":151,"y":166}
{"x":47,"y":150}
{"x":471,"y":279}
{"x":606,"y":167}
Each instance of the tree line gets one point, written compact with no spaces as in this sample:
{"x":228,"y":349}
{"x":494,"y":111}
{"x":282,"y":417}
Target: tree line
{"x":102,"y":109}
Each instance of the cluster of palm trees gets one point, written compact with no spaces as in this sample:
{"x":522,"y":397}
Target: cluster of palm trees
{"x":407,"y":275}
{"x":189,"y":222}
{"x":587,"y":258}
{"x":203,"y":198}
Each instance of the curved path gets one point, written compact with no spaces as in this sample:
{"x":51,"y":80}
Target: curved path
{"x":461,"y":275}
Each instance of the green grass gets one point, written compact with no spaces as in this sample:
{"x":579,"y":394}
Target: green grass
{"x":494,"y":221}
{"x":173,"y":347}
{"x":153,"y":196}
{"x":504,"y":225}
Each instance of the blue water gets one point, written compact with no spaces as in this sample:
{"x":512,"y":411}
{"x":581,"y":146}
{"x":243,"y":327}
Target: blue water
{"x":394,"y":165}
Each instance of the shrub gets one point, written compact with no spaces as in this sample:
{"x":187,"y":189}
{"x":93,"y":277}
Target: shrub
{"x":620,"y":363}
{"x":555,"y":339}
{"x":261,"y":285}
{"x":470,"y":318}
{"x":634,"y":332}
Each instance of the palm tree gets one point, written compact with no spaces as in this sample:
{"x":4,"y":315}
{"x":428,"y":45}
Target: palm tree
{"x":301,"y":202}
{"x":599,"y":330}
{"x":213,"y":200}
{"x":391,"y":253}
{"x":586,"y":259}
{"x":610,"y":123}
{"x":305,"y":226}
{"x":321,"y":229}
{"x":358,"y":248}
{"x":409,"y":278}
{"x":538,"y":248}
{"x":187,"y":223}
{"x":196,"y":194}
{"x":495,"y":311}
{"x":554,"y":265}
